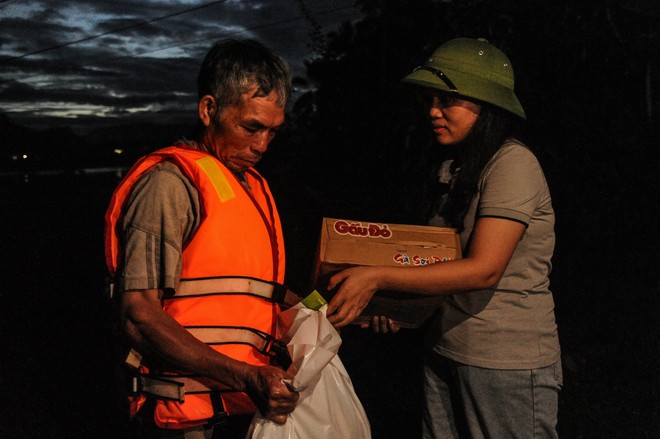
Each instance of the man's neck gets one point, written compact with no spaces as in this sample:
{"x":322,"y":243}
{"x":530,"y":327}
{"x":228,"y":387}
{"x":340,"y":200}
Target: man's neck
{"x":194,"y":144}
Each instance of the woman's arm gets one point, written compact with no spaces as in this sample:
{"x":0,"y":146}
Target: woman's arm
{"x":493,"y":243}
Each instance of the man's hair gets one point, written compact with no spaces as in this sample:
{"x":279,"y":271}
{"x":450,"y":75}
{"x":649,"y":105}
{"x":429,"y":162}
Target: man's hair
{"x":232,"y":67}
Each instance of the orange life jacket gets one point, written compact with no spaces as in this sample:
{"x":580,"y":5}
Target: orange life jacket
{"x":239,"y":240}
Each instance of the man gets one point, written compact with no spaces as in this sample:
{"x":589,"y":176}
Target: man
{"x":194,"y":243}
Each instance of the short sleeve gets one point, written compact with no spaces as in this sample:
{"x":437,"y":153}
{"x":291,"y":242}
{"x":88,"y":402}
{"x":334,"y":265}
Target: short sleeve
{"x":160,"y":214}
{"x":512,"y":185}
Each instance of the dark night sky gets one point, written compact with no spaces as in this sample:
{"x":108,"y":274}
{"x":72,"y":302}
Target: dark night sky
{"x":590,"y":76}
{"x":82,"y":63}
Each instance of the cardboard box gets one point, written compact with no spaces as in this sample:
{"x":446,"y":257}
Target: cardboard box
{"x":347,"y":243}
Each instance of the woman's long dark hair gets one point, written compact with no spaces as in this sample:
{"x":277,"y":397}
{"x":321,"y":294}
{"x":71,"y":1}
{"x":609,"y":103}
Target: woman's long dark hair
{"x":488,"y":134}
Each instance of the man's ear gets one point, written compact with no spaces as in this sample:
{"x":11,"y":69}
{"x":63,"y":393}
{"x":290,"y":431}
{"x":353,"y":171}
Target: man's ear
{"x":206,"y":108}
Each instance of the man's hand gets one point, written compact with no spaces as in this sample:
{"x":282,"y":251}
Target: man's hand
{"x":267,"y":387}
{"x":154,"y":331}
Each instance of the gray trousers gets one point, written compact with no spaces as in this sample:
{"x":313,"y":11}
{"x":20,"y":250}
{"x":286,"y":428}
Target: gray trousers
{"x":464,"y":401}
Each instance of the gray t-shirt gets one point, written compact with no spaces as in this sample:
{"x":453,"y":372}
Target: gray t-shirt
{"x":511,"y":326}
{"x":161,"y":212}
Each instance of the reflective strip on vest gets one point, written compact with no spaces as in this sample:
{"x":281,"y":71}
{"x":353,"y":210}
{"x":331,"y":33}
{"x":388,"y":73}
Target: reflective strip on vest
{"x":231,"y":285}
{"x":220,"y":183}
{"x":227,"y":335}
{"x":211,"y":335}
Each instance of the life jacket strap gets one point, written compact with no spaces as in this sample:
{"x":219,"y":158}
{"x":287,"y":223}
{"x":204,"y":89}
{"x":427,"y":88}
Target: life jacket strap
{"x":217,"y":335}
{"x":159,"y":387}
{"x":164,"y":388}
{"x":231,"y":285}
{"x":174,"y":386}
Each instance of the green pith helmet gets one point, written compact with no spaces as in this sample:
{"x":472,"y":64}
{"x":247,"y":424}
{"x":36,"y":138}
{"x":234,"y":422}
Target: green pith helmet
{"x":473,"y":68}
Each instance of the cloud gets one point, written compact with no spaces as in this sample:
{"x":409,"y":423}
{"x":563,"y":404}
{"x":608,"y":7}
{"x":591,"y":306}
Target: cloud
{"x":115,"y":59}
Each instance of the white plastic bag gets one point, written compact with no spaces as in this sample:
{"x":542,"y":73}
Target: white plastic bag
{"x":328,"y":406}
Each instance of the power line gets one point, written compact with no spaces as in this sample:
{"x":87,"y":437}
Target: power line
{"x":216,"y":36}
{"x":5,"y":3}
{"x":110,"y":32}
{"x":199,"y":40}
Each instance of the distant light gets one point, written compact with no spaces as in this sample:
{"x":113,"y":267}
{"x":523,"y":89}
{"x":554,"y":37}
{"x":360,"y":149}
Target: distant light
{"x":118,"y":151}
{"x":25,"y":156}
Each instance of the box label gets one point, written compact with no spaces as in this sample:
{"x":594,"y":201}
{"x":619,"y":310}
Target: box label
{"x":357,"y":229}
{"x":348,"y":243}
{"x":417,"y":260}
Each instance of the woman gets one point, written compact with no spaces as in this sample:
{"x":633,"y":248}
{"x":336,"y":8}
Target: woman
{"x":493,"y":369}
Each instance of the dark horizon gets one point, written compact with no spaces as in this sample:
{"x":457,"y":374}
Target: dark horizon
{"x":588,"y":77}
{"x":108,"y":62}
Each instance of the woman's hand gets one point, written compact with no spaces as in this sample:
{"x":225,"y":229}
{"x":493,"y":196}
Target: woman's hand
{"x":356,"y":287}
{"x":381,"y":324}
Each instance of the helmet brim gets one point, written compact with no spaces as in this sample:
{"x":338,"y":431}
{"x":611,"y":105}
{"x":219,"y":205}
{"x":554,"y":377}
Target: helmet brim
{"x":490,"y":92}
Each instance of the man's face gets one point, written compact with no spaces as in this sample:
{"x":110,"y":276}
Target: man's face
{"x":242,"y":133}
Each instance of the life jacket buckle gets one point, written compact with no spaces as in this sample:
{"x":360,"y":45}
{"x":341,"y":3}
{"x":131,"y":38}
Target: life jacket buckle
{"x":220,"y":415}
{"x":158,"y":387}
{"x":279,"y":354}
{"x":110,"y":289}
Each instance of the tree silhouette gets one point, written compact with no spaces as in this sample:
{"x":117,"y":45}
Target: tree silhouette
{"x":587,"y":75}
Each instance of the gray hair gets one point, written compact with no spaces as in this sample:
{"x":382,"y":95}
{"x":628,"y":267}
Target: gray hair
{"x":232,"y":67}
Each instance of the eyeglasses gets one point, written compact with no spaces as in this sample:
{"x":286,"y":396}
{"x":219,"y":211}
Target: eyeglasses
{"x":441,"y":76}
